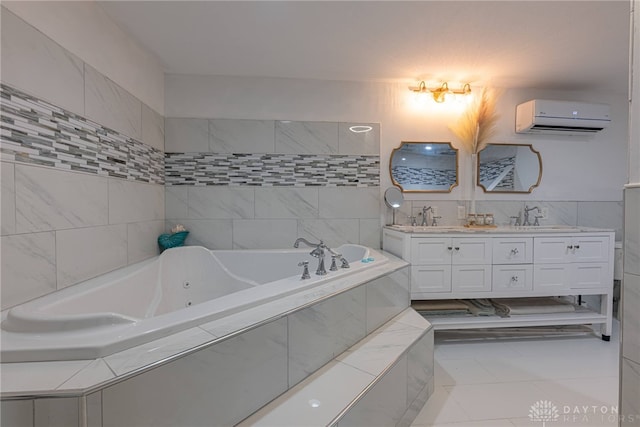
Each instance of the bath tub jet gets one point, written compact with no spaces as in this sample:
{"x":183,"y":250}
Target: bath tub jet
{"x":181,"y":288}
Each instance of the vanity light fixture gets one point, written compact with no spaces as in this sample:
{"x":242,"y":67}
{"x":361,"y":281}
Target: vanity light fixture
{"x":440,"y":93}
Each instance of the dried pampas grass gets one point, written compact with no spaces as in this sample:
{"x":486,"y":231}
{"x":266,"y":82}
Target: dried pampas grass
{"x":477,"y":126}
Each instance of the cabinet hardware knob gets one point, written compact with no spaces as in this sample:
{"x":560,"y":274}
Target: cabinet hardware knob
{"x":514,"y":278}
{"x":570,"y":247}
{"x":514,"y":251}
{"x":577,"y":246}
{"x":457,"y":248}
{"x":449,"y":247}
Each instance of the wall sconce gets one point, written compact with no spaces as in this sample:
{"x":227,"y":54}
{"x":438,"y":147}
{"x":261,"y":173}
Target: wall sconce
{"x":440,"y":93}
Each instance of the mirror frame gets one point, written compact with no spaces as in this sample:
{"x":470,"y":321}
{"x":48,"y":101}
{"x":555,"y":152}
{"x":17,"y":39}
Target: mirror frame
{"x":397,"y":184}
{"x":537,"y":153}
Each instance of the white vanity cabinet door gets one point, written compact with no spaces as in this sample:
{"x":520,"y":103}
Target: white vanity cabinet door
{"x":512,"y":277}
{"x":513,"y":250}
{"x":552,"y":250}
{"x":552,"y":277}
{"x":471,"y":251}
{"x":430,"y":278}
{"x":591,"y":276}
{"x":590,"y":249}
{"x":471,"y":278}
{"x":425,"y":251}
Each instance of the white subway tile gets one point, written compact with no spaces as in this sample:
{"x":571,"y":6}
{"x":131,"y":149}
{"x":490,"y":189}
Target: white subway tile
{"x":28,"y":267}
{"x":152,"y":128}
{"x":84,"y":253}
{"x":57,"y":412}
{"x":111,"y":106}
{"x":8,"y":199}
{"x":241,"y":136}
{"x":48,"y":199}
{"x":286,"y":202}
{"x":186,"y":135}
{"x":333,"y":232}
{"x":16,"y":413}
{"x":348,"y":202}
{"x":142,"y":240}
{"x":264,"y":233}
{"x":175,"y":201}
{"x":36,"y":64}
{"x":306,"y":137}
{"x":214,"y":202}
{"x":134,"y":201}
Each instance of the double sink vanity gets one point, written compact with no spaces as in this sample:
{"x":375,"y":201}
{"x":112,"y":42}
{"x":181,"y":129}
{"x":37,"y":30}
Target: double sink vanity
{"x":453,"y":263}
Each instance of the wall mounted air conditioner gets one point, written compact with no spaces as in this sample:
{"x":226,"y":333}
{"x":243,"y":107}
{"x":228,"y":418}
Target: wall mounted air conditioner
{"x":548,"y":117}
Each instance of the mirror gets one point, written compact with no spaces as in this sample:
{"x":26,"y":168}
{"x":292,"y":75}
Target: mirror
{"x":393,"y":198}
{"x":509,"y":168}
{"x":425,"y":167}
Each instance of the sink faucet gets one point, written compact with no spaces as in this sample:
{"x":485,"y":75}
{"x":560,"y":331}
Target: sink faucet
{"x":425,"y":217}
{"x":518,"y":219}
{"x":526,"y":214}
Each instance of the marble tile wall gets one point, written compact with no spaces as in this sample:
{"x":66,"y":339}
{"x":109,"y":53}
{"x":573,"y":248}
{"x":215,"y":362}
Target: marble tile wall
{"x":82,"y":169}
{"x":262,"y":183}
{"x":630,"y":329}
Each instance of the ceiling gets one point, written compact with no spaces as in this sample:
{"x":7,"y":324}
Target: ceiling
{"x":567,"y":45}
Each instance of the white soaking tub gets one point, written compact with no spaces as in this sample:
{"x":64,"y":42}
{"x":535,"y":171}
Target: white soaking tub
{"x":182,"y":288}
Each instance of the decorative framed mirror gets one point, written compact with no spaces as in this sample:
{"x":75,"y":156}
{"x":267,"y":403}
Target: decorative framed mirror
{"x":509,"y":168}
{"x":424,"y":167}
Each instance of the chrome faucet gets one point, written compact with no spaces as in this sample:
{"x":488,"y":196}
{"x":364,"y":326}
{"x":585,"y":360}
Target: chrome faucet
{"x":518,"y":219}
{"x":526,"y":214}
{"x":319,"y":252}
{"x":425,"y":217}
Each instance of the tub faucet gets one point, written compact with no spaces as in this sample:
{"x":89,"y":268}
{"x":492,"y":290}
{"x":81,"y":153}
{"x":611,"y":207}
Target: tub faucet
{"x":526,"y":214}
{"x":317,"y":252}
{"x":306,"y":242}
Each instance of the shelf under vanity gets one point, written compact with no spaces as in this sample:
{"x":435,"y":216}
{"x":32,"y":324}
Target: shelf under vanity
{"x":457,"y":263}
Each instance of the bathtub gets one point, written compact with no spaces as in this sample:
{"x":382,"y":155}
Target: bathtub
{"x":182,"y":288}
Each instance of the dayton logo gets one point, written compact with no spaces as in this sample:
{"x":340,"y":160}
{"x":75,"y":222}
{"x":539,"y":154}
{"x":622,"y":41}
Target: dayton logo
{"x":543,"y":411}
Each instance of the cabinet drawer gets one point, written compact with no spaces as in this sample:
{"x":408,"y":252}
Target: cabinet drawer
{"x":512,"y":277}
{"x":431,"y":251}
{"x":591,"y":275}
{"x":551,"y":277}
{"x":513,"y":250}
{"x":430,"y":278}
{"x":471,"y":278}
{"x":471,"y":251}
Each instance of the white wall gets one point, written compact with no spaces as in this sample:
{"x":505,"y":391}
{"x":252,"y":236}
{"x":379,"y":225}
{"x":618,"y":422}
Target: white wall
{"x":575,"y":169}
{"x":85,"y":30}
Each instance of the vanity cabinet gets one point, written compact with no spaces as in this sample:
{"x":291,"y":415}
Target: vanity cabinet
{"x":460,"y":263}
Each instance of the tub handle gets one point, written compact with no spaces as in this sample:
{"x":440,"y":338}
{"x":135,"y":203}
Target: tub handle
{"x":305,"y":270}
{"x":333,"y":267}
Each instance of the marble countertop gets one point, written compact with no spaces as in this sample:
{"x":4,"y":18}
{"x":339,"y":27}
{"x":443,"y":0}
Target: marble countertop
{"x":416,"y":229}
{"x":81,"y":377}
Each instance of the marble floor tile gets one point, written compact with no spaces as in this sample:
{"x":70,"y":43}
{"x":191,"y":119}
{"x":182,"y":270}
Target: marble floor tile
{"x":492,"y":378}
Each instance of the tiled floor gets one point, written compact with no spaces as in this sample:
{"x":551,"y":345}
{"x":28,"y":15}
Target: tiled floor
{"x":496,"y":378}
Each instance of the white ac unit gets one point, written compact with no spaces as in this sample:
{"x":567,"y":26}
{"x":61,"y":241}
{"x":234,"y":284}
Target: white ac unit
{"x":543,"y":116}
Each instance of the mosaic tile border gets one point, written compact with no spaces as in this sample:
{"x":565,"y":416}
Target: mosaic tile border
{"x":272,"y":170}
{"x":492,"y":170}
{"x":405,"y":175}
{"x":33,"y":131}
